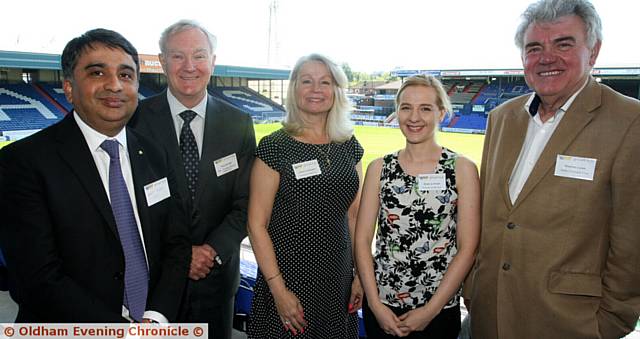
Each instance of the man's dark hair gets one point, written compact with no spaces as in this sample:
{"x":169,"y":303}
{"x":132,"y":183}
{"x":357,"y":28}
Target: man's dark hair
{"x":79,"y":45}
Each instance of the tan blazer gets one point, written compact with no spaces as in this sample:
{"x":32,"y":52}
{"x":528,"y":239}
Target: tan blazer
{"x":564,"y":260}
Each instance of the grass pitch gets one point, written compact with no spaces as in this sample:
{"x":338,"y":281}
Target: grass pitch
{"x":378,"y":141}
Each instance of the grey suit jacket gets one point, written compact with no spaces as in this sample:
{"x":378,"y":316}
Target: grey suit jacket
{"x":563,"y":261}
{"x":218,"y":214}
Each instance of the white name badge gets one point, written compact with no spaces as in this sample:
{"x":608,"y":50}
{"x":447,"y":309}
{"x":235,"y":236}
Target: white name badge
{"x":432,"y":182}
{"x":575,"y":167}
{"x":157,"y":191}
{"x":306,"y":169}
{"x":226,"y":164}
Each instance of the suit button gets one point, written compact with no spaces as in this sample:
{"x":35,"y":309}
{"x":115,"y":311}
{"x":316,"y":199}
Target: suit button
{"x":511,"y":225}
{"x":506,"y":266}
{"x":118,"y":276}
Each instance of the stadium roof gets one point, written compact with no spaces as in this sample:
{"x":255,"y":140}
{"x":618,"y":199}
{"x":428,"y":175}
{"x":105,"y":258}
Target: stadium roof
{"x":605,"y":71}
{"x":151,"y":64}
{"x":148,"y":64}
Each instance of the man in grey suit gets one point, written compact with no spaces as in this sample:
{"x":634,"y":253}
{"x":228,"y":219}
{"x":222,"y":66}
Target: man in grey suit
{"x":211,"y":146}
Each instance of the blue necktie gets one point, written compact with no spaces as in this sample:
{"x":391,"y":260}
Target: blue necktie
{"x":190,"y":154}
{"x":136,"y":275}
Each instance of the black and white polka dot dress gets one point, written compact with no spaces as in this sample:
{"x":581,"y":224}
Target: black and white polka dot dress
{"x":310,"y":237}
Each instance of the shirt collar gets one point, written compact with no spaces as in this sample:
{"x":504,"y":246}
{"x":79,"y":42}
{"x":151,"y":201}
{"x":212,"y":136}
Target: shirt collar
{"x":177,"y":107}
{"x":534,"y":100}
{"x":95,"y":139}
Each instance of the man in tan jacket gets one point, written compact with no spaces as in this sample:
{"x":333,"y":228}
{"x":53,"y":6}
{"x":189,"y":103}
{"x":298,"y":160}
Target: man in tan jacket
{"x":560,"y":248}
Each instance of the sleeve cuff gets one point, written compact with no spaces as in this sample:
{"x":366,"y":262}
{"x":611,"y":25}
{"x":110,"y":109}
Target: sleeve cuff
{"x":155,"y":316}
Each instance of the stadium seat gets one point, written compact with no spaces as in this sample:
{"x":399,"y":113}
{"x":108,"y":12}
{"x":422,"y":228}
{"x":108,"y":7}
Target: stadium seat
{"x":25,"y":107}
{"x":261,"y":109}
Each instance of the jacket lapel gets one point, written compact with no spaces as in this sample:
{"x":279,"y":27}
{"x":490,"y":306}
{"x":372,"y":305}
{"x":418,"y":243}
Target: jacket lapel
{"x":161,"y":124}
{"x":515,"y":130}
{"x":141,"y":176}
{"x":163,"y":129}
{"x":574,"y":121}
{"x":211,"y":146}
{"x":75,"y":152}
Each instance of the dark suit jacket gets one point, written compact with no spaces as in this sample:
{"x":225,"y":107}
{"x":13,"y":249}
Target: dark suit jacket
{"x":219,"y":211}
{"x":563,"y":260}
{"x":60,"y":237}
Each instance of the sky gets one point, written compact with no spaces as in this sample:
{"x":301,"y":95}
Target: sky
{"x":369,"y":35}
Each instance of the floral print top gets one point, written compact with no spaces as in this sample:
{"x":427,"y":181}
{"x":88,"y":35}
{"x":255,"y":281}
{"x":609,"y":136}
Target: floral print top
{"x":416,"y":237}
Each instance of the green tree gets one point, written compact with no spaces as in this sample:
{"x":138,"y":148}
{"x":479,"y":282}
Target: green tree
{"x":347,"y":71}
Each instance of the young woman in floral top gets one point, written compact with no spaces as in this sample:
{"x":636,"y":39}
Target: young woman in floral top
{"x":426,"y":200}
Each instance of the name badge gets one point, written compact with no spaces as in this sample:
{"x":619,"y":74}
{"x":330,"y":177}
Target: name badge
{"x":575,"y":167}
{"x":226,"y":164}
{"x":432,"y":182}
{"x":157,"y":191}
{"x":306,"y":169}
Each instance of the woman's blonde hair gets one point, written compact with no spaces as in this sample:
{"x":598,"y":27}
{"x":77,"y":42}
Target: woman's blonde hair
{"x":442,"y":98}
{"x":339,"y":127}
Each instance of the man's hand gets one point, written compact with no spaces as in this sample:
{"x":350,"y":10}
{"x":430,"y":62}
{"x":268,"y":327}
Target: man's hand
{"x":201,"y":261}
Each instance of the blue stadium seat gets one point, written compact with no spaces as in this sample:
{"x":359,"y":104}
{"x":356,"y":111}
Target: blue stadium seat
{"x":57,"y":93}
{"x":259,"y":107}
{"x":145,"y":92}
{"x":26,"y":107}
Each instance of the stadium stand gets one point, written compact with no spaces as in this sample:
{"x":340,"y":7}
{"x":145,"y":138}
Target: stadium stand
{"x":56,"y":92}
{"x":144,"y":92}
{"x":470,"y":122}
{"x":462,"y":98}
{"x":513,"y":90}
{"x":472,"y":100}
{"x":25,"y":108}
{"x":474,"y":87}
{"x":259,"y":107}
{"x":384,"y":104}
{"x":471,"y":110}
{"x":464,"y":93}
{"x":490,"y":91}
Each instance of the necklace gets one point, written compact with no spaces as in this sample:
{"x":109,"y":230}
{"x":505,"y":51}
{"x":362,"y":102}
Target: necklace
{"x":325,"y":154}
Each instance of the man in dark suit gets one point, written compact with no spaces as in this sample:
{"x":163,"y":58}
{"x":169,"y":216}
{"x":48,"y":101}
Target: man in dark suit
{"x":211,"y":146}
{"x":92,"y":228}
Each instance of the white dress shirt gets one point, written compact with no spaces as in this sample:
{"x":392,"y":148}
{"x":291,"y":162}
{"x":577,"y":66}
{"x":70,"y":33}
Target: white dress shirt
{"x":197,"y":124}
{"x":94,"y":139}
{"x":538,"y":135}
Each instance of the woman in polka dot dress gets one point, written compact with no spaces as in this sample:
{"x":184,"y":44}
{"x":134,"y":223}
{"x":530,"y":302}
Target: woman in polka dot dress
{"x":305,"y":189}
{"x":426,"y":201}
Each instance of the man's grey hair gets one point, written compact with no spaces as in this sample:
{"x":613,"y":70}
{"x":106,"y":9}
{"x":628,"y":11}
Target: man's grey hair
{"x":184,"y":25}
{"x":552,"y":10}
